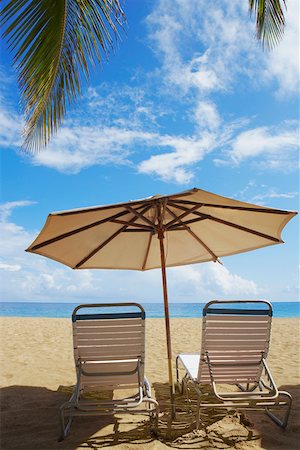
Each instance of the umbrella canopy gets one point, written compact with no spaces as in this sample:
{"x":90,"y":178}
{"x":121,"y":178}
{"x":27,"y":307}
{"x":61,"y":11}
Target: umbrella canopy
{"x":161,"y":231}
{"x":198,"y":226}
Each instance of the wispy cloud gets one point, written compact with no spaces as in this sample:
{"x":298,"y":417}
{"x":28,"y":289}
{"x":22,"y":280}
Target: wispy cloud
{"x":10,"y":267}
{"x":210,"y":280}
{"x":7,"y":208}
{"x":206,"y":116}
{"x":204,"y":50}
{"x":201,"y":44}
{"x":271,"y":194}
{"x":274,"y":147}
{"x":206,"y":46}
{"x":260,"y":193}
{"x":121,"y":105}
{"x":78,"y":147}
{"x":283,"y":61}
{"x":10,"y":128}
{"x":177,"y":165}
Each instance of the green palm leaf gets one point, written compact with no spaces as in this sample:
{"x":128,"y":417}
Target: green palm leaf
{"x":54,"y":42}
{"x":270,"y":20}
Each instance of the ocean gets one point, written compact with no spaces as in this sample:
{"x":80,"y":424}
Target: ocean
{"x":153,"y":310}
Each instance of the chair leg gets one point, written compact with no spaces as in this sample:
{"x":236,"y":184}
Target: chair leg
{"x":282,"y":423}
{"x":180,"y":385}
{"x":153,"y":412}
{"x":177,"y":369}
{"x":198,"y":415}
{"x":147,"y":387}
{"x":151,"y":402}
{"x":65,"y":427}
{"x":156,"y":417}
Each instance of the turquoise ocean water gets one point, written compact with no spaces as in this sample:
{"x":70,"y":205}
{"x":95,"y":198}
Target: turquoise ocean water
{"x":153,"y":310}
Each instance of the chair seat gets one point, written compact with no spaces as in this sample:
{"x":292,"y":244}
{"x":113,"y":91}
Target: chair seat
{"x":190,"y":362}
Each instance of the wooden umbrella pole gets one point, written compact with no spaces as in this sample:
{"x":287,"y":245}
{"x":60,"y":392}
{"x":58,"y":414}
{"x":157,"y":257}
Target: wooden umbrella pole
{"x":167,"y":319}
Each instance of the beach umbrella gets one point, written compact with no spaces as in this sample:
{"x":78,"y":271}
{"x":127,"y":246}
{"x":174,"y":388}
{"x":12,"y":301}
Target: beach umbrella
{"x":158,"y":232}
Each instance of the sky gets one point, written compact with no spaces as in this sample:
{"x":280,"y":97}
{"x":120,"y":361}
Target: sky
{"x":187,"y":99}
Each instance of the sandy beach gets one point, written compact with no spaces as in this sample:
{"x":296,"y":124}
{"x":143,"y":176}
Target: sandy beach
{"x":37,"y":370}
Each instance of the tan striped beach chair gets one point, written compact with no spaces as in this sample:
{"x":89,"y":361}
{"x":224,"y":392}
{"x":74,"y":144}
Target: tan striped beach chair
{"x":235,"y":344}
{"x":109,"y":353}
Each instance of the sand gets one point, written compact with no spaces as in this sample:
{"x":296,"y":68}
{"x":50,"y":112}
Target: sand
{"x":37,"y":370}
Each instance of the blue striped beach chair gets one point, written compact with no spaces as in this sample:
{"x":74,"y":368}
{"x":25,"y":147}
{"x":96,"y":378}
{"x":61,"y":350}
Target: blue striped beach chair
{"x":234,"y":348}
{"x":109,"y":353}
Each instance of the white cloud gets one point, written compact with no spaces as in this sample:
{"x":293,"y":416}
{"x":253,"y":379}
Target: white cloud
{"x":120,"y":105}
{"x":178,"y":165}
{"x":78,"y":147}
{"x":259,"y":193}
{"x":251,"y":143}
{"x":10,"y":267}
{"x":81,"y":147}
{"x":7,"y":208}
{"x":13,"y":239}
{"x":274,"y":148}
{"x":283,"y":61}
{"x":206,"y":46}
{"x":29,"y":277}
{"x":10,"y":128}
{"x":207,"y":115}
{"x":210,"y":280}
{"x":272,"y":194}
{"x":232,"y":284}
{"x":202,"y":45}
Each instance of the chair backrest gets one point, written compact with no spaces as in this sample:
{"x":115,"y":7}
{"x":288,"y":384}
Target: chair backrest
{"x":236,"y":335}
{"x":108,"y":342}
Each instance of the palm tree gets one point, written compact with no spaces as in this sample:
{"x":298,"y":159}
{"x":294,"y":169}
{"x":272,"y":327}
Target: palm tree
{"x":270,"y":20}
{"x":55,"y":41}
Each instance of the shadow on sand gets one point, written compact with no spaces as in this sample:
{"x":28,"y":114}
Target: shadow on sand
{"x":274,"y":437}
{"x":30,"y":420}
{"x":219,"y":429}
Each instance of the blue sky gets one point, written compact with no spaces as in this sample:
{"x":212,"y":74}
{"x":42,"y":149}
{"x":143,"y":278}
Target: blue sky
{"x":187,"y":99}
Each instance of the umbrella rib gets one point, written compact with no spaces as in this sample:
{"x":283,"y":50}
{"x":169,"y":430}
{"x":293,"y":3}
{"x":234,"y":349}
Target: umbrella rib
{"x":138,"y":225}
{"x":137,"y":230}
{"x":77,"y":230}
{"x":140,"y":215}
{"x":239,"y":208}
{"x":234,"y":225}
{"x":186,"y":222}
{"x":97,"y":249}
{"x":107,"y":241}
{"x":147,"y":251}
{"x":215,"y":258}
{"x":181,"y":216}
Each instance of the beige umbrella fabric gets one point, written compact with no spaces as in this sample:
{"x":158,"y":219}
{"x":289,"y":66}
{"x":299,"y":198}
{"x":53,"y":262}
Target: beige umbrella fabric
{"x":161,"y":231}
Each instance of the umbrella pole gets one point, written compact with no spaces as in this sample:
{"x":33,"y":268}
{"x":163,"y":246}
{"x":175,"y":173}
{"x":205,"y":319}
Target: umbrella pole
{"x":167,"y":320}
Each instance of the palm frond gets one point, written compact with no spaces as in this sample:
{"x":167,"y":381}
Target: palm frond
{"x":54,"y":42}
{"x":270,"y":20}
